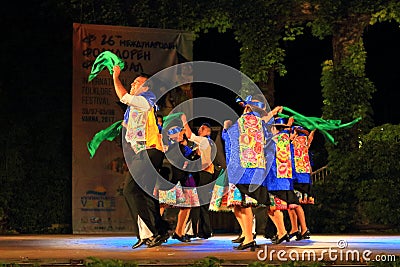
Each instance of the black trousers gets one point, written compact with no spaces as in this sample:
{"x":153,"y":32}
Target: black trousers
{"x":138,"y":189}
{"x":200,"y":216}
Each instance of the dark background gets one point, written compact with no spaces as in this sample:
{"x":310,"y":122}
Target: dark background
{"x":300,"y":88}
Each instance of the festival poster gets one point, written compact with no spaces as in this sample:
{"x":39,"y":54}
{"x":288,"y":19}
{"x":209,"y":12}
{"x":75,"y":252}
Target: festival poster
{"x":98,"y":204}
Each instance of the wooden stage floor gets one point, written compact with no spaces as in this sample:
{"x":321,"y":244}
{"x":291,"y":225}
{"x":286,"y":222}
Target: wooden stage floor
{"x":74,"y":250}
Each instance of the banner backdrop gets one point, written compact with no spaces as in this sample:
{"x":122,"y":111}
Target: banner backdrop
{"x":98,"y":205}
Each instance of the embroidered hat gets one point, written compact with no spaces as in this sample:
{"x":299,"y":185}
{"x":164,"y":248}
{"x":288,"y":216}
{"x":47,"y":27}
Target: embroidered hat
{"x":254,"y":103}
{"x":280,"y":122}
{"x":300,"y":130}
{"x":174,"y":131}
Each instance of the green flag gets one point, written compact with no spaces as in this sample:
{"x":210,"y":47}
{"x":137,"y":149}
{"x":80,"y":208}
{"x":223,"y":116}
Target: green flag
{"x":105,"y":59}
{"x":320,"y":124}
{"x":109,"y":134}
{"x":171,"y":117}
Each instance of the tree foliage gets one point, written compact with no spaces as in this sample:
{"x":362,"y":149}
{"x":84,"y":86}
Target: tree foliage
{"x":367,"y":192}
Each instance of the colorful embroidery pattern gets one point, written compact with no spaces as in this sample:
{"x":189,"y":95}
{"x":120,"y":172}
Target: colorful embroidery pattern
{"x":234,"y":196}
{"x":167,"y":196}
{"x":283,"y":157}
{"x":219,"y":199}
{"x":191,"y":198}
{"x":178,"y":196}
{"x":301,"y":157}
{"x":279,"y":204}
{"x":224,"y":198}
{"x":136,"y":131}
{"x":251,"y":140}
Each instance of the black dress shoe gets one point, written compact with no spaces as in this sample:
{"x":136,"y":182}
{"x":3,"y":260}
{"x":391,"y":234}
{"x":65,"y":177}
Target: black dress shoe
{"x":158,"y":240}
{"x":306,"y":235}
{"x":268,"y":236}
{"x":252,"y":245}
{"x":140,"y":242}
{"x":188,"y":237}
{"x":239,"y":239}
{"x":204,"y":236}
{"x":295,"y":234}
{"x":180,"y":238}
{"x":273,"y":238}
{"x":165,"y":237}
{"x":278,"y":240}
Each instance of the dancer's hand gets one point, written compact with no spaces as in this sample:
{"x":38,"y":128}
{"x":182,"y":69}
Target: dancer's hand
{"x":290,"y":121}
{"x":183,"y":118}
{"x":277,"y":110}
{"x":227,"y":124}
{"x":116,"y":71}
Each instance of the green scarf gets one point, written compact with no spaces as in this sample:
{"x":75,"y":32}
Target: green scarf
{"x":109,"y":134}
{"x":312,"y":123}
{"x":169,"y":118}
{"x":105,"y":59}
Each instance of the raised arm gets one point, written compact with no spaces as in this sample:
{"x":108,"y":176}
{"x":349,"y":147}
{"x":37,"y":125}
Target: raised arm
{"x":310,"y":137}
{"x":139,"y":102}
{"x":119,"y":88}
{"x":186,"y":126}
{"x":272,"y":113}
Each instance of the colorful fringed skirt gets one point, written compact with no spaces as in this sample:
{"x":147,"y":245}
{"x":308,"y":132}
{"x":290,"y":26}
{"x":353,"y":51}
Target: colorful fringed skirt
{"x":179,"y":196}
{"x":283,"y":200}
{"x":226,"y":195}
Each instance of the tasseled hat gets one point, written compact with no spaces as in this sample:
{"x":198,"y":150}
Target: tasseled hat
{"x":280,"y":122}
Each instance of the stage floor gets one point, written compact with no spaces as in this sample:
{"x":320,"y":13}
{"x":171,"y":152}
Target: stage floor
{"x":67,"y":250}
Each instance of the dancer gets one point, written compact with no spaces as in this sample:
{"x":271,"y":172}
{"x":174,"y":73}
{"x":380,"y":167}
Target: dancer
{"x":199,"y":216}
{"x":180,"y":197}
{"x":225,"y":196}
{"x":141,"y":141}
{"x":301,"y":141}
{"x":247,"y":148}
{"x":279,"y":179}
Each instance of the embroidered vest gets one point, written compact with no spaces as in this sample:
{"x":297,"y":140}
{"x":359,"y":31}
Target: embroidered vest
{"x":283,"y":155}
{"x":301,"y":157}
{"x":142,"y":130}
{"x":251,"y":142}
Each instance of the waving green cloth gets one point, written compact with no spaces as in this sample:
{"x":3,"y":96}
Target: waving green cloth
{"x":114,"y":130}
{"x":105,"y":59}
{"x":109,"y":134}
{"x":169,"y":118}
{"x":312,"y":123}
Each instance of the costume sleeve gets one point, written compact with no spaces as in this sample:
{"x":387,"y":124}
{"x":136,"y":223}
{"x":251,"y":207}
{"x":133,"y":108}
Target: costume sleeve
{"x":227,"y":145}
{"x":269,"y":146}
{"x":187,"y":151}
{"x":195,"y":138}
{"x":204,"y":147}
{"x":201,"y":141}
{"x":138,"y":102}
